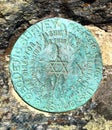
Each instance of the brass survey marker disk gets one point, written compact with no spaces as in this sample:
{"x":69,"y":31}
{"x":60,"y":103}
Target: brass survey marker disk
{"x":56,"y":65}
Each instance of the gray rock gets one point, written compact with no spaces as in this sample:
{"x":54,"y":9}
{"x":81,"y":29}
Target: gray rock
{"x":103,"y":97}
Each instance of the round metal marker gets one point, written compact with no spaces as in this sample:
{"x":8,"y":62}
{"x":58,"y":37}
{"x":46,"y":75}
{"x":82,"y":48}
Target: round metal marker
{"x":56,"y":65}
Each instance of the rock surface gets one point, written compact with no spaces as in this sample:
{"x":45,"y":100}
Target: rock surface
{"x":105,"y":42}
{"x":99,"y":124}
{"x":14,"y":14}
{"x":15,"y":114}
{"x":103,"y":96}
{"x":15,"y":17}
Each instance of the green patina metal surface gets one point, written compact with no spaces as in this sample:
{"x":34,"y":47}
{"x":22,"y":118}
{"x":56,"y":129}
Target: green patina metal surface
{"x":56,"y":65}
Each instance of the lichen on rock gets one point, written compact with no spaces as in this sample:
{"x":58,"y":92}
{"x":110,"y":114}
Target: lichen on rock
{"x":99,"y":124}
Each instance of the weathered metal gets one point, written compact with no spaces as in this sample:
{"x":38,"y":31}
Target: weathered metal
{"x":56,"y":65}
